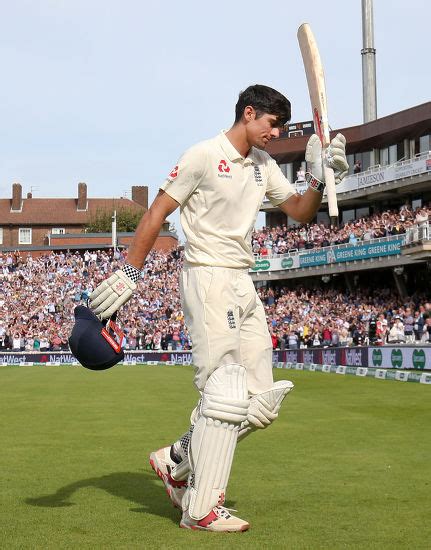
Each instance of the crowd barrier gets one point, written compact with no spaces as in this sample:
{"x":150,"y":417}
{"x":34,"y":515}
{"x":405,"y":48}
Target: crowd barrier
{"x":380,"y":374}
{"x":383,"y":363}
{"x":384,"y":357}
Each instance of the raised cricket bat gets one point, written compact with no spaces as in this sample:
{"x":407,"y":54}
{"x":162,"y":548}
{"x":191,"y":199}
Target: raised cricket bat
{"x":317,"y":89}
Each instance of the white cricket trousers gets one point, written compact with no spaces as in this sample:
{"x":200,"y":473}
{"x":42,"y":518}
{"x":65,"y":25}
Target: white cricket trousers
{"x":227,"y":323}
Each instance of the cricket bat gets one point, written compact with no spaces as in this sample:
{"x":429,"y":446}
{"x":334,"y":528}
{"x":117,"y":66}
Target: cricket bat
{"x":316,"y":86}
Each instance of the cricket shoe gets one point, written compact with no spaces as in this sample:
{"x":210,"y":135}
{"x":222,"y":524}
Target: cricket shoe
{"x":162,"y":463}
{"x":218,"y":520}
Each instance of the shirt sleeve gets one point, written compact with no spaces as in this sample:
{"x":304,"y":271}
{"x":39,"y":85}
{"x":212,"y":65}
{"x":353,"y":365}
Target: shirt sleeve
{"x":278,"y":187}
{"x":186,"y":175}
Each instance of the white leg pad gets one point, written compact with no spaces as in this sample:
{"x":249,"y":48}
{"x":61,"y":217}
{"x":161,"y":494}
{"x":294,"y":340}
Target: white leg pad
{"x":224,"y":408}
{"x":264,"y":407}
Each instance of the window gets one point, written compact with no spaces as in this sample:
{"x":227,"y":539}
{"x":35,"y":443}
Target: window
{"x":24,"y":235}
{"x":416,"y":203}
{"x":362,"y":212}
{"x":351,"y":161}
{"x":384,"y":156}
{"x":58,"y":231}
{"x":348,"y":215}
{"x":1,"y":235}
{"x":287,"y":170}
{"x":366,"y":160}
{"x":392,"y":154}
{"x":424,"y":143}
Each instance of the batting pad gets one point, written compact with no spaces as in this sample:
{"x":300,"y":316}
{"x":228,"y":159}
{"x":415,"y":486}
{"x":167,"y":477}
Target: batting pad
{"x":224,"y":407}
{"x":264,"y":407}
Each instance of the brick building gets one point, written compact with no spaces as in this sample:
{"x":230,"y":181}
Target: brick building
{"x":40,"y":224}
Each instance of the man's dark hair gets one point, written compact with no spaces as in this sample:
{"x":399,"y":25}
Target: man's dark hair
{"x":263,"y":99}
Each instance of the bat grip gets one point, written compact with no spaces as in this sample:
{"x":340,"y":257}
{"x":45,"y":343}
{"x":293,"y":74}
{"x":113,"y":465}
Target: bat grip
{"x":331,"y":194}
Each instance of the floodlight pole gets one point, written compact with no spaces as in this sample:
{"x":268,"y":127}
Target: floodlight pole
{"x":368,"y":52}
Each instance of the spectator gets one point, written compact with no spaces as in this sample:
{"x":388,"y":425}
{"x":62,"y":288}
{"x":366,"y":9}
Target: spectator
{"x":409,"y":326}
{"x":293,"y":339}
{"x":274,"y":340}
{"x":396,"y":333}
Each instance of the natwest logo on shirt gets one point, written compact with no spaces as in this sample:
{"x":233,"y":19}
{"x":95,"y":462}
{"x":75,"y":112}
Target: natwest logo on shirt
{"x":223,"y":169}
{"x":174,"y":173}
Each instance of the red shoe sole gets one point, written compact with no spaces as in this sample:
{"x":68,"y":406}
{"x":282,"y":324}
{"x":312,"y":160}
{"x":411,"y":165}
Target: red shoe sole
{"x":160,"y":475}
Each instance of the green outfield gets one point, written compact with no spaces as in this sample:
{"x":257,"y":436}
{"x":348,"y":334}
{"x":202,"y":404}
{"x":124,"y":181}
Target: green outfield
{"x":345,"y":466}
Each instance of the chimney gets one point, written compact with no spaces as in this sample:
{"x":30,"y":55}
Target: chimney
{"x":16,"y":197}
{"x":140,"y":195}
{"x":82,"y":197}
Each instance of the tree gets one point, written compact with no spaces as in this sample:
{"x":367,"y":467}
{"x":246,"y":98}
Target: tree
{"x":127,"y":220}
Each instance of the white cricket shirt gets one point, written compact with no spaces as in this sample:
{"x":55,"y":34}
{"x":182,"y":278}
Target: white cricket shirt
{"x":220,"y":193}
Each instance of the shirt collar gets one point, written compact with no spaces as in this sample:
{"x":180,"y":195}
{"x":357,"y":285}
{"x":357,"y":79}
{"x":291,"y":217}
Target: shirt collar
{"x":232,"y":154}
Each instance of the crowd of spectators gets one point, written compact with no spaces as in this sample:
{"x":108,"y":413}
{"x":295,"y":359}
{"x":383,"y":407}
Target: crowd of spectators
{"x":282,"y":239}
{"x":316,"y":318}
{"x":38,"y":296}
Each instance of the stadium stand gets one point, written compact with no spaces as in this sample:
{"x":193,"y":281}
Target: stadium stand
{"x":364,"y":282}
{"x":37,"y":299}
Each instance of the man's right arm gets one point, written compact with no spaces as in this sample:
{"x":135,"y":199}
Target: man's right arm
{"x":115,"y":291}
{"x":149,"y":228}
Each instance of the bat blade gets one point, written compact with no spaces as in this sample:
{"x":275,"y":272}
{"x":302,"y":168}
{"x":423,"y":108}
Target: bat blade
{"x":317,"y":89}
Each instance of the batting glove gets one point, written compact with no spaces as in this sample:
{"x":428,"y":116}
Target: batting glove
{"x":336,"y":157}
{"x":313,"y":156}
{"x":114,"y":292}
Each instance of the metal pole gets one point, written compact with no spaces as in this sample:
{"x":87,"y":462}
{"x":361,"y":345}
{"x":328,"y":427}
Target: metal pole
{"x":114,"y":230}
{"x":368,"y":52}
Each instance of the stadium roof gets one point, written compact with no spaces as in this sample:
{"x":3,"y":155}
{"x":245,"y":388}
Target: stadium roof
{"x":382,"y":132}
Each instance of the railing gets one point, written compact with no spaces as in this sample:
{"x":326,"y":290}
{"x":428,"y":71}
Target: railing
{"x":302,"y":251}
{"x":419,"y":232}
{"x":336,"y":254}
{"x":377,"y":175}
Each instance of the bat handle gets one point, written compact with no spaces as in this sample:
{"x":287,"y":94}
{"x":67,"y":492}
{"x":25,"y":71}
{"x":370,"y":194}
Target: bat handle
{"x":331,"y":194}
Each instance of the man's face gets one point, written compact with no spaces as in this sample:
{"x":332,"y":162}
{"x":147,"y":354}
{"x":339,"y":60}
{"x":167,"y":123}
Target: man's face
{"x":261,"y":130}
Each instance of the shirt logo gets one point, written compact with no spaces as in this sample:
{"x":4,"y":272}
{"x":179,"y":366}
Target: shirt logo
{"x":223,"y":167}
{"x":174,"y":173}
{"x":224,"y":170}
{"x":231,"y":319}
{"x":258,"y":176}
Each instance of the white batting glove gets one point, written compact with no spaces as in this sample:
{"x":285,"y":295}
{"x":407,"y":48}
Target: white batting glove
{"x":315,"y":175}
{"x":114,"y":292}
{"x":336,"y":157}
{"x":313,"y":157}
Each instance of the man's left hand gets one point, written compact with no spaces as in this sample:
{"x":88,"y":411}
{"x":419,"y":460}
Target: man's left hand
{"x":335,"y":157}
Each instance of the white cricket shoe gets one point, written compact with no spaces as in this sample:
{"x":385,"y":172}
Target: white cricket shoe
{"x":218,"y":520}
{"x":162,"y":463}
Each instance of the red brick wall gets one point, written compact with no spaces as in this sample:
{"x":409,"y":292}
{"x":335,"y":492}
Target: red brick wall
{"x":10,"y":240}
{"x":38,"y":237}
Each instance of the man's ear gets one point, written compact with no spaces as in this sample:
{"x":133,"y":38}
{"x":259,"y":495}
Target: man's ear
{"x":249,"y":113}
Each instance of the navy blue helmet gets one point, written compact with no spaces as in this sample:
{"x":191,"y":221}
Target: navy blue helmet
{"x":96,"y":345}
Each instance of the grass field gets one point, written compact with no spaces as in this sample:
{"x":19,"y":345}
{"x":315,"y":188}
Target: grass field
{"x":345,"y":466}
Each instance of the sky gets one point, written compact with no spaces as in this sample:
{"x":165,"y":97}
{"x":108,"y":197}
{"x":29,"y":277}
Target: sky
{"x":112,"y":92}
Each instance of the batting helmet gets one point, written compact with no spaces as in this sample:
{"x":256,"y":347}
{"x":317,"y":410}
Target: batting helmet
{"x":94,"y":343}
